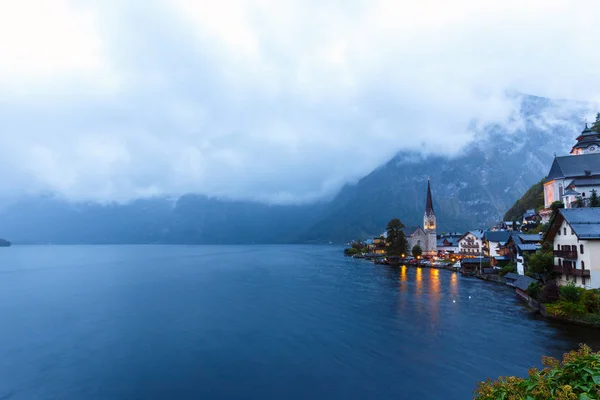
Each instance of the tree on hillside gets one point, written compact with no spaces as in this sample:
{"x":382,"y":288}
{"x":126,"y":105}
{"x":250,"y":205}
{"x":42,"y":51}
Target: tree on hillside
{"x":395,"y":238}
{"x":596,"y":125}
{"x":417,"y":251}
{"x":532,"y":199}
{"x":594,"y":200}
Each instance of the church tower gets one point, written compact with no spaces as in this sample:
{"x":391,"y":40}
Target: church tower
{"x":429,"y":225}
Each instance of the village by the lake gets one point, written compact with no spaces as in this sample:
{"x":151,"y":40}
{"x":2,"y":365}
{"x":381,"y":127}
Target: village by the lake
{"x":550,"y":253}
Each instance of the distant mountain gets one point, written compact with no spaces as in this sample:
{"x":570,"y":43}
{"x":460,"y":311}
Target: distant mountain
{"x":470,"y":191}
{"x":189,"y":219}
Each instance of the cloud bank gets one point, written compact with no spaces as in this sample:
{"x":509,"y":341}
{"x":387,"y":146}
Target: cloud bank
{"x":277,"y":101}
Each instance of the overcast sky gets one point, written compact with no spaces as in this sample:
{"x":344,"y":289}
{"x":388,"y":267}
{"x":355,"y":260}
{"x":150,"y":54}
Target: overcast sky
{"x":274,"y":100}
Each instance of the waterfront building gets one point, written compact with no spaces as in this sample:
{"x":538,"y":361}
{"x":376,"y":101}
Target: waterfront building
{"x":447,"y":244}
{"x":575,"y":237}
{"x":493,"y":242}
{"x":518,"y":246}
{"x":470,"y":244}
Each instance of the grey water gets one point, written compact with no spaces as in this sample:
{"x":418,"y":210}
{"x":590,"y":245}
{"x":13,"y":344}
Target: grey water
{"x":255,"y":322}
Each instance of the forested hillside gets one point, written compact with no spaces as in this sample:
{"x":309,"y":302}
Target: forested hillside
{"x":532,"y":199}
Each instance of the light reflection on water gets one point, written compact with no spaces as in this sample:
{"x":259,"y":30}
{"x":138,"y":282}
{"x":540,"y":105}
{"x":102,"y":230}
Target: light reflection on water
{"x":291,"y":322}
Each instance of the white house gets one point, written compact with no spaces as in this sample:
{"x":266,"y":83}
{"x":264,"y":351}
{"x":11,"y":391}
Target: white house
{"x":493,"y":242}
{"x":448,"y":244}
{"x":470,"y":244}
{"x":575,"y":234}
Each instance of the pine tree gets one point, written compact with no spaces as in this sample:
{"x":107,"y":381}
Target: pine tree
{"x":594,"y":200}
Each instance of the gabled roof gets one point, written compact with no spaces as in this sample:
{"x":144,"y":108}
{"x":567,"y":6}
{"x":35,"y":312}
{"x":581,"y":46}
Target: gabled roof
{"x":409,"y":231}
{"x":585,"y":222}
{"x":575,"y":166}
{"x":579,"y":182}
{"x":512,"y":275}
{"x":533,"y":237}
{"x":497,"y":236}
{"x":523,"y":282}
{"x":529,"y":247}
{"x":477,"y":234}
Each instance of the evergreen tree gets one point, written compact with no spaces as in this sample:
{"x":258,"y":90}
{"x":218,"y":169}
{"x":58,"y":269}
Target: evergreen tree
{"x":594,"y":200}
{"x":417,"y":251}
{"x":395,"y":238}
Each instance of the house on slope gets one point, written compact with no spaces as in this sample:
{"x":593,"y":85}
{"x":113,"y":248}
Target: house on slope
{"x":574,"y":176}
{"x":518,"y":246}
{"x":575,"y":237}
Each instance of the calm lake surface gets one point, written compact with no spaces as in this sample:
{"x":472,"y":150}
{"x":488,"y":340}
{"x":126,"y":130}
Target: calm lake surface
{"x":254,"y":322}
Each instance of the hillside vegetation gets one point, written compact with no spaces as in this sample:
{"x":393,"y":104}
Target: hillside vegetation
{"x":532,"y":199}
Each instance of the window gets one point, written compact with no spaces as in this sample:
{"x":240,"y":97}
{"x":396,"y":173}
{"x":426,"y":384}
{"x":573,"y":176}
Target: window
{"x":581,"y":249}
{"x":558,"y":233}
{"x":565,"y":231}
{"x":574,"y":249}
{"x":583,"y":194}
{"x":572,"y":232}
{"x":582,"y":265}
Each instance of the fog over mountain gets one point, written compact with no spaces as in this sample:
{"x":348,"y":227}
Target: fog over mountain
{"x":277,"y":111}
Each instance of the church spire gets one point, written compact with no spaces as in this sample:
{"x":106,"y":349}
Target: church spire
{"x":429,"y":203}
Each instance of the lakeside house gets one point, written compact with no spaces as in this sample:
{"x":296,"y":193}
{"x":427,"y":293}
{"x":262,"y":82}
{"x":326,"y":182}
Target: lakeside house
{"x":518,"y":246}
{"x":470,"y":244}
{"x":575,"y":237}
{"x":493,"y":241}
{"x":447,"y":244}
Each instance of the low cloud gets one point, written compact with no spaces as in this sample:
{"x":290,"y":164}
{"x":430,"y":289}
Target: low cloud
{"x":277,"y":101}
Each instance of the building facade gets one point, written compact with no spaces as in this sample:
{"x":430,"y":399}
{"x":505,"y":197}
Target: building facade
{"x":572,"y":178}
{"x":470,"y":244}
{"x":575,"y":236}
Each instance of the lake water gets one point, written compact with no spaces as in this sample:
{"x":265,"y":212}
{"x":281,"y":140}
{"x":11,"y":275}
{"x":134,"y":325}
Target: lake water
{"x":254,"y":322}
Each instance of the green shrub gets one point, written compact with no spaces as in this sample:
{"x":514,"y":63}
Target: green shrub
{"x":565,"y":308}
{"x":534,"y":290}
{"x":507,"y":268}
{"x":577,"y":377}
{"x":571,"y":293}
{"x":351,"y":251}
{"x":591,"y":299}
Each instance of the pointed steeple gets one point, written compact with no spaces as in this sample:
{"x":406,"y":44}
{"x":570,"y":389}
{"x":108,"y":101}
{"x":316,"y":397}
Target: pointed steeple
{"x":429,"y":203}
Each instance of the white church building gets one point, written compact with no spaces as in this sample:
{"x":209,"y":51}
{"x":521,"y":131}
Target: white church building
{"x":573,"y":177}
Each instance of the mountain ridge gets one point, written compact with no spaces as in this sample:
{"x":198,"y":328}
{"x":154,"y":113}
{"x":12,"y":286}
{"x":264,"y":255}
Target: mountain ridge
{"x":471,"y":190}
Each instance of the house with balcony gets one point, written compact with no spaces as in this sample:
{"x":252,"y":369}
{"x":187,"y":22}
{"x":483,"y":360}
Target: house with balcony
{"x":378,"y":247}
{"x":575,"y":237}
{"x":493,"y":241}
{"x":447,"y":244}
{"x":470,"y":244}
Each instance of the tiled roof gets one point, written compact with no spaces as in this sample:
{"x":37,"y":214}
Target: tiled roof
{"x":497,"y":236}
{"x":575,"y":166}
{"x":585,"y":222}
{"x":408,"y":231}
{"x":523,"y":282}
{"x":579,"y":182}
{"x":529,"y":247}
{"x":512,"y":275}
{"x":534,"y":237}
